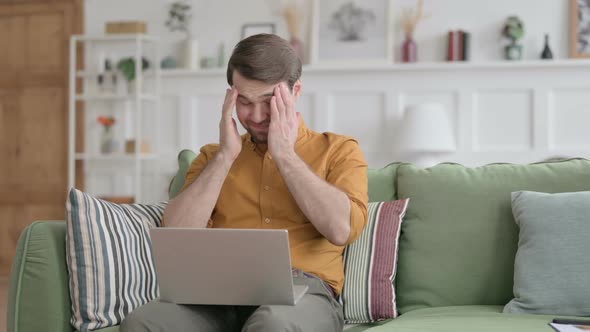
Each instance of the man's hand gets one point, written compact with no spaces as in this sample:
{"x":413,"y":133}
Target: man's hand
{"x":284,"y":123}
{"x":230,"y":142}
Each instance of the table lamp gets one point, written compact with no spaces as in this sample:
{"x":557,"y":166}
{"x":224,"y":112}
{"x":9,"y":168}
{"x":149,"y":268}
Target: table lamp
{"x":425,"y":133}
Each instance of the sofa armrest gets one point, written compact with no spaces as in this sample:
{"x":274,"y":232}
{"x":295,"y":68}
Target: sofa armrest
{"x":38,"y":298}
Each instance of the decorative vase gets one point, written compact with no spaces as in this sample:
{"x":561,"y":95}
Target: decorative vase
{"x":190,"y":53}
{"x":297,"y":46}
{"x":513,"y":51}
{"x":107,"y":140}
{"x":409,"y":50}
{"x":547,"y":53}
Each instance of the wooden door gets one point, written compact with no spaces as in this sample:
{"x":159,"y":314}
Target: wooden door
{"x":34,"y":64}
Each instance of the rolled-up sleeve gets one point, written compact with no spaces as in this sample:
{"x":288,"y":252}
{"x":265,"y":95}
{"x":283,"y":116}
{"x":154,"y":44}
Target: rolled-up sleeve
{"x":197,"y":167}
{"x":348,"y":172}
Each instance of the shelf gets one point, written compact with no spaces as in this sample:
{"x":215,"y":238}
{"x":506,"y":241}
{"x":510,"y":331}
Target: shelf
{"x":94,"y":74}
{"x":117,"y":37}
{"x":145,"y":101}
{"x":451,"y":66}
{"x":115,"y":156}
{"x":402,"y":67}
{"x":193,"y":72}
{"x":114,"y":97}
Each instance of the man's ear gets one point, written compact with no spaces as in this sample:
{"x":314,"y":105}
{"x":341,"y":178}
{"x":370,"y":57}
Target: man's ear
{"x":297,"y":89}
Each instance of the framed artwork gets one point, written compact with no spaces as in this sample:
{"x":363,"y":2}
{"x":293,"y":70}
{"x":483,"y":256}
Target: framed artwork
{"x":345,"y":31}
{"x":250,"y":29}
{"x":579,"y":28}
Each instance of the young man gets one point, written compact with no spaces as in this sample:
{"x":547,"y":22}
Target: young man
{"x":279,"y":175}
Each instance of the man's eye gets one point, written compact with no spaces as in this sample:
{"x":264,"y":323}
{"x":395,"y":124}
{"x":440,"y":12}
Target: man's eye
{"x":243,"y":102}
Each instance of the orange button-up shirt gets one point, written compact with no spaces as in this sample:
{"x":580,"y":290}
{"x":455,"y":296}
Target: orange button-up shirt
{"x":254,"y":195}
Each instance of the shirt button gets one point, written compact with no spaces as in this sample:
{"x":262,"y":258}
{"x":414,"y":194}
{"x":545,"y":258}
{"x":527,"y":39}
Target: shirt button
{"x":267,"y":220}
{"x":266,"y":188}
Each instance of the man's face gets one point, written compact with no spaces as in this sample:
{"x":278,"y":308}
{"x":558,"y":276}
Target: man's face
{"x":253,"y":105}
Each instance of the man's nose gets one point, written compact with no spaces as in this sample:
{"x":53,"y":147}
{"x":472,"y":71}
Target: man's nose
{"x":260,"y":113}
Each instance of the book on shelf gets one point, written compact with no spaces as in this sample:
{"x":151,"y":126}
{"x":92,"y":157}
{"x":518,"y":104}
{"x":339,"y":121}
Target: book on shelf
{"x":466,"y":46}
{"x":458,"y":45}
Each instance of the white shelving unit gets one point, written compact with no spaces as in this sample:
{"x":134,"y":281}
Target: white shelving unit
{"x":144,"y":98}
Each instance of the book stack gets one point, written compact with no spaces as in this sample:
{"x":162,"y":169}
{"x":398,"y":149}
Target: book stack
{"x":458,"y":45}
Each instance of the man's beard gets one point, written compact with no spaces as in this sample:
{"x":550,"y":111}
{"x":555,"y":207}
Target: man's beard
{"x":258,"y":138}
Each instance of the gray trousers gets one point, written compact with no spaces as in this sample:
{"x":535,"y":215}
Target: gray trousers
{"x":317,"y":311}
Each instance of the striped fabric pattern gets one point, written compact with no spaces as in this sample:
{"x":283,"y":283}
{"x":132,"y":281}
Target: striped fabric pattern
{"x":370,"y":264}
{"x":110,"y":264}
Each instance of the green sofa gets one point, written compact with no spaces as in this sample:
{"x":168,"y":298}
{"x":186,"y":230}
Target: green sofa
{"x":456,"y":256}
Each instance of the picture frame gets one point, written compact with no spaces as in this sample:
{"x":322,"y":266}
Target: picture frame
{"x":579,"y":28}
{"x":367,"y":38}
{"x":250,"y":29}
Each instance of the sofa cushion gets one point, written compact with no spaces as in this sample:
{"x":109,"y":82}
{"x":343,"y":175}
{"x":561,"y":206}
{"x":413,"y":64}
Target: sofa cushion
{"x":552,"y":268}
{"x":109,"y":329}
{"x":39,"y":281}
{"x":109,"y":258}
{"x":459,"y":237}
{"x":382,"y":183}
{"x":465,"y":318}
{"x":185,"y":159}
{"x":370,"y":263}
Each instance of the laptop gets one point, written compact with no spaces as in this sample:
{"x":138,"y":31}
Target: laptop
{"x":224,"y":266}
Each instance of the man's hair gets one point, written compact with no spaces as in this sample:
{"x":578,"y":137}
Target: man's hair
{"x":265,"y":57}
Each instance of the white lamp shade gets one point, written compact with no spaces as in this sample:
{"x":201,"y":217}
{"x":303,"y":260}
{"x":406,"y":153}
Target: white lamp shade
{"x":426,"y":128}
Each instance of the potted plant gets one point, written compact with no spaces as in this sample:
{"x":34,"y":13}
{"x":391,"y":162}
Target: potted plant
{"x":179,"y":19}
{"x":514,"y":31}
{"x":127,"y":67}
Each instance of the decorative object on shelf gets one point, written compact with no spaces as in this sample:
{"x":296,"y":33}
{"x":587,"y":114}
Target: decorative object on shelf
{"x":458,"y":45}
{"x":546,"y":53}
{"x":221,"y":55}
{"x":409,"y":50}
{"x":292,"y":12}
{"x":127,"y":67}
{"x":250,"y":29}
{"x":426,"y":133}
{"x":169,"y":62}
{"x":107,"y":137}
{"x":344,"y":31}
{"x":107,"y":78}
{"x":191,"y":53}
{"x":125,"y":27}
{"x":208,"y":62}
{"x":579,"y":28}
{"x":410,"y":18}
{"x":513,"y":30}
{"x":144,"y":146}
{"x":179,"y":19}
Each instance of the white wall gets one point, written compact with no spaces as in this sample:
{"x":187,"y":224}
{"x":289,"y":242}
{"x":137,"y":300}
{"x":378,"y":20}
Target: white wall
{"x":220,"y":21}
{"x":513,"y":113}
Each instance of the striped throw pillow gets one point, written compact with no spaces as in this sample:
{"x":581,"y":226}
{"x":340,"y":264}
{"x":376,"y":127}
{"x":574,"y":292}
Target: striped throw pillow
{"x":370,"y":263}
{"x":110,"y":264}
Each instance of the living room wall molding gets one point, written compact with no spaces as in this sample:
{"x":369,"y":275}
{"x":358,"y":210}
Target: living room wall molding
{"x":500,"y":112}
